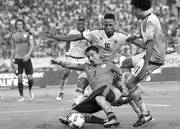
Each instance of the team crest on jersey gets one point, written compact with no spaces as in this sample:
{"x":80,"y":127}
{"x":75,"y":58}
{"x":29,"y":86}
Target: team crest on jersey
{"x":25,"y":35}
{"x":103,"y":65}
{"x":115,"y":41}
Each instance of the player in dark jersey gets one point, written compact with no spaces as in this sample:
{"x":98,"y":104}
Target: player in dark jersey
{"x":22,"y":48}
{"x":100,"y":77}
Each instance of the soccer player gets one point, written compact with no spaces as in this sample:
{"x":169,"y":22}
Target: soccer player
{"x":100,"y":76}
{"x":107,"y":38}
{"x":22,"y":47}
{"x":154,"y":44}
{"x":76,"y":55}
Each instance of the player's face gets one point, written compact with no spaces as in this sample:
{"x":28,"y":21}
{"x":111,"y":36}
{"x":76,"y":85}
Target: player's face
{"x":137,"y":12}
{"x":19,"y":25}
{"x":80,"y":26}
{"x":93,"y":57}
{"x":109,"y":25}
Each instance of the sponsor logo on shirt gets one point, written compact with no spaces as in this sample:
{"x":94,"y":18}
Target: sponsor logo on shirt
{"x":103,"y":65}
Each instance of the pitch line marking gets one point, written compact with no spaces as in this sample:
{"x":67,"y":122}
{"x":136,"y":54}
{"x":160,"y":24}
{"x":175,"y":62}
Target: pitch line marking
{"x":65,"y":109}
{"x":31,"y":111}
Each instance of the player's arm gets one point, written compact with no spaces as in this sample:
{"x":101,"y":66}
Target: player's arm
{"x":31,"y":46}
{"x":12,"y":51}
{"x":69,"y":65}
{"x":136,"y":41}
{"x":67,"y":38}
{"x":149,"y":41}
{"x":149,"y":49}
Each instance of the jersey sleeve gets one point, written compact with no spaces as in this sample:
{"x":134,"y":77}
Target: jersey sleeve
{"x":89,"y":35}
{"x":149,"y":34}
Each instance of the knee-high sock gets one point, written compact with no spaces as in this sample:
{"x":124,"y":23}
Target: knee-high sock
{"x":93,"y":119}
{"x":20,"y":87}
{"x":136,"y":96}
{"x":30,"y":84}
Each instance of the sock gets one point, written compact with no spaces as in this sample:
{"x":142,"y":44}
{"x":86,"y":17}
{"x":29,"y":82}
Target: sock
{"x":20,"y":87}
{"x":111,"y":116}
{"x":93,"y":119}
{"x":30,"y":83}
{"x":136,"y":96}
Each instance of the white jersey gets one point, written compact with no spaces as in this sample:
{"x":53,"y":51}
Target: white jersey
{"x":99,"y":37}
{"x":77,"y":48}
{"x":151,"y":30}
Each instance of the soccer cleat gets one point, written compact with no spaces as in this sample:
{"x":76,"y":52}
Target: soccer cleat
{"x":31,"y":96}
{"x":111,"y":123}
{"x":143,"y":119}
{"x":60,"y":96}
{"x":21,"y":99}
{"x":64,"y":121}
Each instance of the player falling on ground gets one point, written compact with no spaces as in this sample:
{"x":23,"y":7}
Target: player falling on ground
{"x":100,"y":76}
{"x":107,"y":38}
{"x":22,"y":47}
{"x":154,"y":44}
{"x":76,"y":55}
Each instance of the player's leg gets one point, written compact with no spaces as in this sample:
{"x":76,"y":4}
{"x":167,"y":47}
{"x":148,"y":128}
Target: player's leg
{"x":20,"y":87}
{"x":82,"y":84}
{"x":104,"y":99}
{"x":20,"y":65}
{"x":87,"y":107}
{"x":135,"y":93}
{"x":65,"y":75}
{"x":29,"y":72}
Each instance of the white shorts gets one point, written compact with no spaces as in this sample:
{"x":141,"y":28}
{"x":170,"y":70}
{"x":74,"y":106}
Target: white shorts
{"x":137,"y":69}
{"x":136,"y":58}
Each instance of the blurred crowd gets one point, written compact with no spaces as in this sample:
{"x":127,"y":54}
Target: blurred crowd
{"x":58,"y":16}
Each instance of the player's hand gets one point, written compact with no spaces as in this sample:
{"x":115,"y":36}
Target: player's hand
{"x":26,"y":58}
{"x":131,"y":38}
{"x":47,"y":34}
{"x":53,"y":61}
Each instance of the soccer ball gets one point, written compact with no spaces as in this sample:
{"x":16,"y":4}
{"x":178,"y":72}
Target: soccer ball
{"x":76,"y":120}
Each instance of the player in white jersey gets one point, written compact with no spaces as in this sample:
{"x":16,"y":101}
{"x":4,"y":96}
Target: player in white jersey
{"x":76,"y":55}
{"x":154,"y":44}
{"x":107,"y":38}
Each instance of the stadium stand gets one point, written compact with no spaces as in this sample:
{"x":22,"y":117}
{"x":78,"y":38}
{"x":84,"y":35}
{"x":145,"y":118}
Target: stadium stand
{"x":58,"y":17}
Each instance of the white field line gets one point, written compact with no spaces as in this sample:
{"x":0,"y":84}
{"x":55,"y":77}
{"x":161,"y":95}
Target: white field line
{"x":65,"y":109}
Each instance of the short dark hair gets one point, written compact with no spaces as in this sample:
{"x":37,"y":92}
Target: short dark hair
{"x":20,"y":20}
{"x":109,"y":16}
{"x":81,"y":18}
{"x":142,"y":4}
{"x":94,"y":48}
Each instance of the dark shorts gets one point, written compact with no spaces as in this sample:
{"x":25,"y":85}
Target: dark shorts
{"x":24,"y":65}
{"x":89,"y":105}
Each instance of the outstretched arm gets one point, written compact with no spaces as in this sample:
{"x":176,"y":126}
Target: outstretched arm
{"x":69,"y":65}
{"x":67,"y":38}
{"x":136,"y":41}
